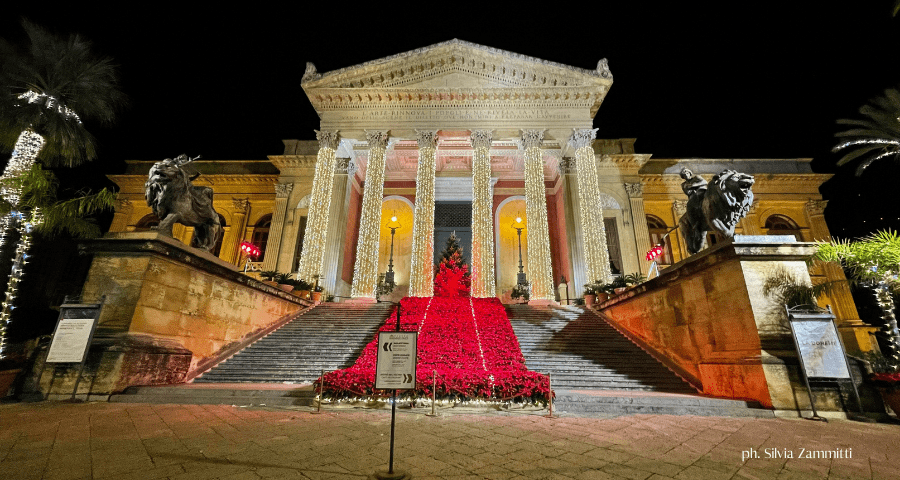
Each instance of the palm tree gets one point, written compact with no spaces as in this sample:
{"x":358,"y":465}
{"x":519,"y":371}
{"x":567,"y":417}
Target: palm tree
{"x":876,"y":137}
{"x":47,"y":91}
{"x":874,"y":262}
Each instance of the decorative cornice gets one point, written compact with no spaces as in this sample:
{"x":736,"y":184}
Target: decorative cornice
{"x":481,"y":138}
{"x":583,"y":138}
{"x":283,"y":190}
{"x":634,"y":190}
{"x":774,"y":183}
{"x":328,"y":139}
{"x":532,"y":138}
{"x":377,"y":138}
{"x":285,"y":162}
{"x":816,"y":207}
{"x":241,"y":205}
{"x":136,"y":182}
{"x":427,"y":138}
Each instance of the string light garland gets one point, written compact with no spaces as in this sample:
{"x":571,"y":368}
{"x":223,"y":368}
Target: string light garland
{"x":539,"y":267}
{"x":593,"y":230}
{"x":421,"y":272}
{"x":51,"y":103}
{"x":365,"y":271}
{"x":313,"y":256}
{"x":483,"y":283}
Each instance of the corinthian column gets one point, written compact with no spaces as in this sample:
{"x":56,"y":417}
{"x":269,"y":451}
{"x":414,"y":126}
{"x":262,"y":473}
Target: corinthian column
{"x":365,"y":271}
{"x":233,"y":237}
{"x":273,"y":247}
{"x":593,"y":231}
{"x":421,"y":271}
{"x":482,"y":220}
{"x":539,"y":268}
{"x":313,"y":254}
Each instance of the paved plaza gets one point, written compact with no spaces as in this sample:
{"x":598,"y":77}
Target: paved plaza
{"x":56,"y":440}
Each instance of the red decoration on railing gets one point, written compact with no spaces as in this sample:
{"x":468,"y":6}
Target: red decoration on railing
{"x":249,"y":249}
{"x":654,"y":253}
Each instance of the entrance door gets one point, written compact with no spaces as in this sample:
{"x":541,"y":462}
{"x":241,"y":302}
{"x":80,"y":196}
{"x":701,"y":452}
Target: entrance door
{"x":452,"y":217}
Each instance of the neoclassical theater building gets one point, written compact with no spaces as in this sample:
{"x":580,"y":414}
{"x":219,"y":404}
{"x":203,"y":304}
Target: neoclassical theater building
{"x":464,"y":138}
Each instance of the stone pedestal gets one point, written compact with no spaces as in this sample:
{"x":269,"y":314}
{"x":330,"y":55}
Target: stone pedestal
{"x":707,"y":318}
{"x":170,"y":311}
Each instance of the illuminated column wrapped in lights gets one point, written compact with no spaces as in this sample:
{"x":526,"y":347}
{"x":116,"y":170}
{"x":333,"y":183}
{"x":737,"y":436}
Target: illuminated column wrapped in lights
{"x":24,"y":154}
{"x":25,"y":223}
{"x":539,"y":268}
{"x":483,"y":284}
{"x":596,"y":255}
{"x":313,"y":254}
{"x":365,"y":271}
{"x":421,"y":271}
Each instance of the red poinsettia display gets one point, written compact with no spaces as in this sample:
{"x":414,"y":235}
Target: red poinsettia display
{"x":452,"y":279}
{"x":468,"y":342}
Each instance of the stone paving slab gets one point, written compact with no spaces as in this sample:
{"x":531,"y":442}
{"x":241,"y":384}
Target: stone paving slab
{"x":64,"y":441}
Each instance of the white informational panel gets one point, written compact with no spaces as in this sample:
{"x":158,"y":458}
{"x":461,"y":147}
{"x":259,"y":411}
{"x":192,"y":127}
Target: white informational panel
{"x":821,"y":349}
{"x":70,"y":340}
{"x":395,"y":368}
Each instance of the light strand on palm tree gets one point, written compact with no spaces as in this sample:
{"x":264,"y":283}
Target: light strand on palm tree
{"x":15,"y":276}
{"x":28,"y":146}
{"x":51,"y":103}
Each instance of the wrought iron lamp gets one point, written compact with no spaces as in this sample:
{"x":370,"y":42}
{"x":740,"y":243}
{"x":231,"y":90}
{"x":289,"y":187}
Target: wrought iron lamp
{"x":389,"y":275}
{"x":520,"y":277}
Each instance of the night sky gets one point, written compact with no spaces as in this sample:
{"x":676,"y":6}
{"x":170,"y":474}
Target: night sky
{"x":743,"y":80}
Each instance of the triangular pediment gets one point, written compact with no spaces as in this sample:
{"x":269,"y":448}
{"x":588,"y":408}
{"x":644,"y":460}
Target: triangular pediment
{"x":456,"y":64}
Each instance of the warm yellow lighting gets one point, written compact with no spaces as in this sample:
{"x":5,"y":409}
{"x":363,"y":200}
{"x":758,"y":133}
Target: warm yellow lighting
{"x":540,"y":269}
{"x":421,"y":275}
{"x":365,"y":272}
{"x":593,"y":230}
{"x":313,"y":256}
{"x":518,"y":221}
{"x":483,"y":282}
{"x":394,"y":218}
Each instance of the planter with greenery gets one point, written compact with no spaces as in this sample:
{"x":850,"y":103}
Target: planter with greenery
{"x":521,"y":292}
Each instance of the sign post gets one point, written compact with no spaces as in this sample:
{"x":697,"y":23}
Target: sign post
{"x":820,"y":349}
{"x":72,"y":338}
{"x":395,"y":369}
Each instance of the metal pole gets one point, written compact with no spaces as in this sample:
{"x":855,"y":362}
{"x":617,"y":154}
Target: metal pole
{"x":393,"y":419}
{"x":433,"y":388}
{"x":550,"y":395}
{"x":321,"y":385}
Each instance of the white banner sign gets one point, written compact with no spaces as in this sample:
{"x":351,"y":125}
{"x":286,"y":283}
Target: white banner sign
{"x":395,"y":368}
{"x":70,"y":341}
{"x":821,"y":349}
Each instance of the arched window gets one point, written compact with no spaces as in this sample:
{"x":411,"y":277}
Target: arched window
{"x":658,"y":229}
{"x":783,"y":225}
{"x":261,"y":235}
{"x":147,"y":223}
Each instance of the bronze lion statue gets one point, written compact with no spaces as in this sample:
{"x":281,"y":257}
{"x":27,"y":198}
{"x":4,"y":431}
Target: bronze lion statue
{"x":717,"y":205}
{"x":174,"y":199}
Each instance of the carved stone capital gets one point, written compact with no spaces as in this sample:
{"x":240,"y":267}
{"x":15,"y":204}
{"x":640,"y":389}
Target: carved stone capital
{"x":816,"y":207}
{"x":328,"y":139}
{"x":532,"y":138}
{"x":283,"y":190}
{"x":679,"y":207}
{"x":377,"y":138}
{"x":634,"y":190}
{"x":583,"y":138}
{"x":345,"y":166}
{"x":427,"y":138}
{"x":754,"y":206}
{"x":567,"y":165}
{"x":241,"y":205}
{"x":481,"y":138}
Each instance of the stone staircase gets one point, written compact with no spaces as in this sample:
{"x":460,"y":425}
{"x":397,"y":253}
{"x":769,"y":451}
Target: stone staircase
{"x":328,"y":337}
{"x":582,"y":351}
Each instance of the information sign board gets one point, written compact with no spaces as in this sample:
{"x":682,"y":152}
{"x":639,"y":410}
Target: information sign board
{"x":70,"y":340}
{"x":395,"y":366}
{"x":820,"y":348}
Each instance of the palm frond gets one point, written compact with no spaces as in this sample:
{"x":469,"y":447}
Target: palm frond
{"x":877,"y":136}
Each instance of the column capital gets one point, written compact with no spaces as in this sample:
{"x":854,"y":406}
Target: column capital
{"x":634,"y":190}
{"x":582,"y":138}
{"x":427,"y":138}
{"x":481,"y":138}
{"x":283,"y":190}
{"x":328,"y":138}
{"x":816,"y":207}
{"x":532,"y":138}
{"x":567,"y":165}
{"x":345,"y":166}
{"x":377,"y":138}
{"x":241,"y":205}
{"x":123,"y":204}
{"x":680,"y":208}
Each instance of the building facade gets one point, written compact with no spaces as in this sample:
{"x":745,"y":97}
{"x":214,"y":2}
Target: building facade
{"x":462,"y":138}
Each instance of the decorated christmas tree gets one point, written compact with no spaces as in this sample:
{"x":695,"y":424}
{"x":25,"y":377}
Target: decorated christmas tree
{"x":452,"y":279}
